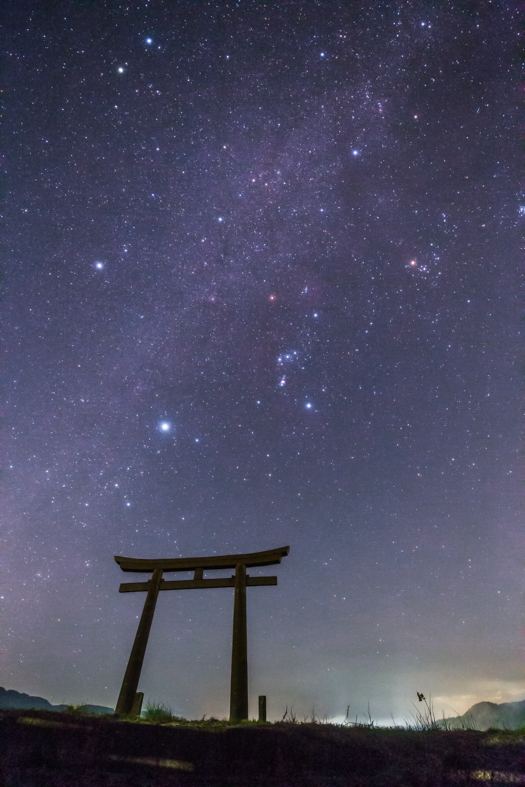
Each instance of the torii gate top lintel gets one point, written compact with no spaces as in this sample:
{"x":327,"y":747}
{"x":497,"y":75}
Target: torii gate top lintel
{"x":144,"y":565}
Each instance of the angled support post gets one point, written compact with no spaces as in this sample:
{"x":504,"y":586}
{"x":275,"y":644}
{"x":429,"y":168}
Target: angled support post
{"x":239,"y":675}
{"x":132,"y":675}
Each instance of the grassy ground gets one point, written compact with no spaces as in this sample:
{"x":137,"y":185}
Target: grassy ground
{"x":75,"y":749}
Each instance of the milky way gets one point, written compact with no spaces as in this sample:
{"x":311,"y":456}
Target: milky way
{"x":261,"y":289}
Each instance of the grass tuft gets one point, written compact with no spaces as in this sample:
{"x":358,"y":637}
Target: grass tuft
{"x":158,"y":713}
{"x":77,"y":710}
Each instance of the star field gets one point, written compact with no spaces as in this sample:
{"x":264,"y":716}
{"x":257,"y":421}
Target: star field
{"x":261,"y":289}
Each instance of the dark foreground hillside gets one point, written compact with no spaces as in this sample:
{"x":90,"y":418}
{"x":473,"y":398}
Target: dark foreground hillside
{"x":42,"y":748}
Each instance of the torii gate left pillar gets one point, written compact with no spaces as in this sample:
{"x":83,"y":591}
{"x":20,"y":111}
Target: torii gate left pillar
{"x":132,"y":675}
{"x":241,"y":580}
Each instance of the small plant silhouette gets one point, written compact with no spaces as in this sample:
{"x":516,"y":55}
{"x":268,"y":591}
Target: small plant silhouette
{"x":291,"y":717}
{"x":356,"y":723}
{"x":425,"y":720}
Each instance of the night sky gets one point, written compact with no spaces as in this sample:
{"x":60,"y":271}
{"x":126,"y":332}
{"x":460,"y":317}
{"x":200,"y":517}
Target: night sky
{"x":261,"y":289}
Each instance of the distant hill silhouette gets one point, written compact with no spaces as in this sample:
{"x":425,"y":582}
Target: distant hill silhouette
{"x":9,"y":698}
{"x":484,"y":715}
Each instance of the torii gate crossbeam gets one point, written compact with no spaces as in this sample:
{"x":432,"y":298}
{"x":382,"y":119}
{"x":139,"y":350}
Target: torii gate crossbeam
{"x":239,"y":667}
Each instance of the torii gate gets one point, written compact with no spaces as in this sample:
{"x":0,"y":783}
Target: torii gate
{"x":239,"y":669}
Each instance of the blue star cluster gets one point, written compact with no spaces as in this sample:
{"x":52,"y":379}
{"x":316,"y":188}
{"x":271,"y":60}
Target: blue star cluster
{"x":261,"y":289}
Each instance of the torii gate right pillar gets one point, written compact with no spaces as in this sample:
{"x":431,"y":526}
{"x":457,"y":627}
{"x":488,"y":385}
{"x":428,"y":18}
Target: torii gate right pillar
{"x":239,"y":675}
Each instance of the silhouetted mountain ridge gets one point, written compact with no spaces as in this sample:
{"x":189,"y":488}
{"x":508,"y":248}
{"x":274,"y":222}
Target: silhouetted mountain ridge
{"x":484,"y":715}
{"x":9,"y":698}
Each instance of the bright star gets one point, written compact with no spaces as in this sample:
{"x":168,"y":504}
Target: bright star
{"x":164,"y":426}
{"x":322,"y":54}
{"x":121,"y":70}
{"x":355,"y":152}
{"x":149,"y":40}
{"x":308,"y":405}
{"x":99,"y":266}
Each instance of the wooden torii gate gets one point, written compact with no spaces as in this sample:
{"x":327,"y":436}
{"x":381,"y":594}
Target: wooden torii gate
{"x":240,"y":581}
